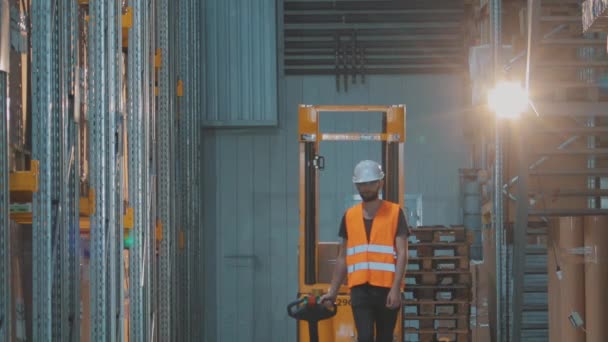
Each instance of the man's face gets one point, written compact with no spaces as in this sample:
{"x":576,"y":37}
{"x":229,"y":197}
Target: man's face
{"x":369,"y":190}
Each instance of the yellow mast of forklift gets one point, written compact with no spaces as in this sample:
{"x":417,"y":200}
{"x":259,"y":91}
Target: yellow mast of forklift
{"x":340,"y":328}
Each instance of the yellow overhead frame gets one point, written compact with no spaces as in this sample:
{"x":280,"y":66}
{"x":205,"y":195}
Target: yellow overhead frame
{"x":310,"y":134}
{"x":340,"y":328}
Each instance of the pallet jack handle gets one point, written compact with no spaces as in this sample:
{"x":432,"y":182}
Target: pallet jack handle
{"x":310,"y":310}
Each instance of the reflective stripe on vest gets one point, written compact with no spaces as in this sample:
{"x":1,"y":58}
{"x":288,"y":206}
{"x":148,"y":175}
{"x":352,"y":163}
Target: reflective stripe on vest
{"x":371,"y":248}
{"x":378,"y":266}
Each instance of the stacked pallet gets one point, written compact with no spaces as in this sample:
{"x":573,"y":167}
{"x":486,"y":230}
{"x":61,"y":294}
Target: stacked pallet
{"x":437,"y":296}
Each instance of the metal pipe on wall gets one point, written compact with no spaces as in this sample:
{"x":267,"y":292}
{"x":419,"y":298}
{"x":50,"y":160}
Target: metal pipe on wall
{"x":501,"y":316}
{"x":520,"y":233}
{"x":471,"y":208}
{"x":496,"y":41}
{"x":553,"y":281}
{"x":499,"y":226}
{"x":5,"y":274}
{"x":5,"y":46}
{"x":596,"y":278}
{"x":5,"y":237}
{"x":572,"y":284}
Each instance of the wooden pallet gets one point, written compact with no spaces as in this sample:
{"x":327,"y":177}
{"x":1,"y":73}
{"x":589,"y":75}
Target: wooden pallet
{"x":443,"y":278}
{"x":453,"y":322}
{"x":438,"y":263}
{"x":430,"y":249}
{"x":438,"y":282}
{"x":437,"y":293}
{"x":440,"y":234}
{"x":436,"y":336}
{"x":435,"y":308}
{"x":434,"y":249}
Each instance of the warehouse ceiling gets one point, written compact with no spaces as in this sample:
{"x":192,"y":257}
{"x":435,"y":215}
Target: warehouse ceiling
{"x":354,"y":38}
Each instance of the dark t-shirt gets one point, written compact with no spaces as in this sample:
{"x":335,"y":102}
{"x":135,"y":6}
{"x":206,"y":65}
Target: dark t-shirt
{"x":402,"y":228}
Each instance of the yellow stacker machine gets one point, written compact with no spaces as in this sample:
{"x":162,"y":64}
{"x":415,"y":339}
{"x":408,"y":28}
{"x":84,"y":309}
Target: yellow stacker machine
{"x":314,"y":255}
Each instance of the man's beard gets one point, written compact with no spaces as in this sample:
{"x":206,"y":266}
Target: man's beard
{"x":370,"y":196}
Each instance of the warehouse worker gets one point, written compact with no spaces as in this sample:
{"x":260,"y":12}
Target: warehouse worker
{"x":373,"y":255}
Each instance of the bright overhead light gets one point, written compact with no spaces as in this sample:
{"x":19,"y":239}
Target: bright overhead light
{"x":508,"y":100}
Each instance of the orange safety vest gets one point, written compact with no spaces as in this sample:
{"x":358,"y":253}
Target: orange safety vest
{"x":372,"y":262}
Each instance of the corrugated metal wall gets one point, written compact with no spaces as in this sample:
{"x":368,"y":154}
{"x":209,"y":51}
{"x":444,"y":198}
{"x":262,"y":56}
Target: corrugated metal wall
{"x":241,"y":62}
{"x":251,"y":193}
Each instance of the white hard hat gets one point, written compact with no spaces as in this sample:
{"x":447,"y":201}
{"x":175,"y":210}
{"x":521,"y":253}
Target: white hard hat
{"x":367,"y":171}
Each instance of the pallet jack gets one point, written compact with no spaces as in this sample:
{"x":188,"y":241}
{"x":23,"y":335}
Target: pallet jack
{"x":309,"y":309}
{"x":325,"y":324}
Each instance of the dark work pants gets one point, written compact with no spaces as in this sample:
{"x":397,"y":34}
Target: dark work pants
{"x":369,"y":311}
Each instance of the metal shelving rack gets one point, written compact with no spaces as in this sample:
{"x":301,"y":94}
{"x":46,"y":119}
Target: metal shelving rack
{"x":165,"y":180}
{"x":43,"y":88}
{"x":5,"y":296}
{"x":554,"y":157}
{"x":113,"y":109}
